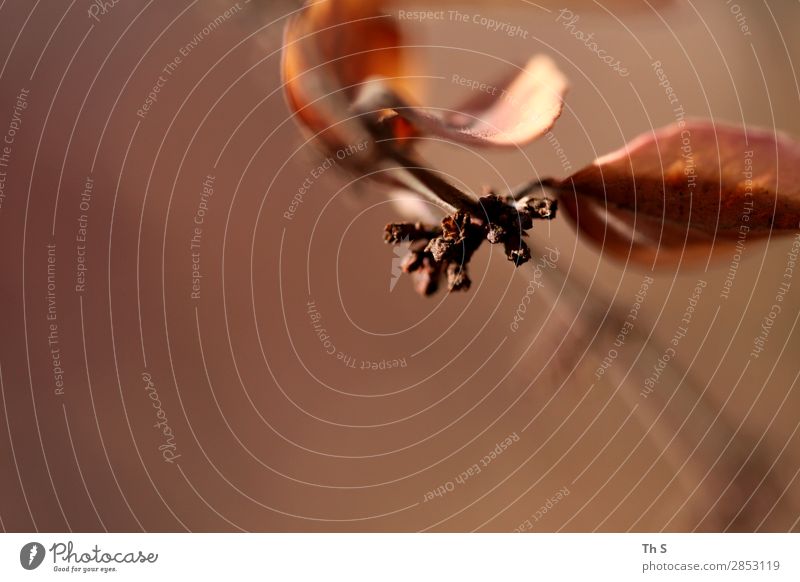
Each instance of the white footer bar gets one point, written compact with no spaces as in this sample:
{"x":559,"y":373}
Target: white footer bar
{"x":401,"y":557}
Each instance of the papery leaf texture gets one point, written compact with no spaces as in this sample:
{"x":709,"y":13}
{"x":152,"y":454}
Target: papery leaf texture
{"x":689,"y":184}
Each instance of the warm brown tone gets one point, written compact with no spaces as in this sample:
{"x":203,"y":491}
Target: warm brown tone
{"x":274,"y":432}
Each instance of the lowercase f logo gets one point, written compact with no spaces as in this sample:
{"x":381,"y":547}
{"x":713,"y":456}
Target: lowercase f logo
{"x":31,"y":555}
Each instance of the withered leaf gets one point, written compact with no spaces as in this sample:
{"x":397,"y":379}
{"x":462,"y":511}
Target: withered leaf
{"x":715,"y":178}
{"x":517,"y":111}
{"x":328,"y":50}
{"x":687,"y":190}
{"x":625,"y":235}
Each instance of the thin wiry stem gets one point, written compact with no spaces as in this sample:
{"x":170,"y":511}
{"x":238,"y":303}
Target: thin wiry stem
{"x":431,"y":186}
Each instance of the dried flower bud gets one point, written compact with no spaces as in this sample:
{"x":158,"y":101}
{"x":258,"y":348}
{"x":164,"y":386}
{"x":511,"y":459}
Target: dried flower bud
{"x":517,"y":251}
{"x":542,"y":208}
{"x":456,"y":227}
{"x":398,"y":232}
{"x":439,"y":248}
{"x":412,"y":262}
{"x":426,"y":278}
{"x":495,"y":234}
{"x":457,"y":278}
{"x":502,"y":213}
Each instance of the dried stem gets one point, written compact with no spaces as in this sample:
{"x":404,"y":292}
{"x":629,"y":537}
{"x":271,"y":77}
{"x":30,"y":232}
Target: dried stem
{"x":432,"y":187}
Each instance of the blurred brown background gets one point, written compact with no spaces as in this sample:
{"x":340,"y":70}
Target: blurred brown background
{"x":269,"y":431}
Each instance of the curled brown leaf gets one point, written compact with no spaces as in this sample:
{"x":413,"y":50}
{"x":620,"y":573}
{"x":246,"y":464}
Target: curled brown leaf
{"x":687,"y":185}
{"x":517,"y":111}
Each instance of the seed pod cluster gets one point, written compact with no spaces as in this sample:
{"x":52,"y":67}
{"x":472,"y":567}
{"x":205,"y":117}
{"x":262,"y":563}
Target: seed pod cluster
{"x":445,"y":251}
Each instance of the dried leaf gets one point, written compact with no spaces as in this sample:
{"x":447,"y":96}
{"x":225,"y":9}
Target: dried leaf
{"x":517,"y":111}
{"x":687,"y":190}
{"x":715,"y":178}
{"x":329,"y":49}
{"x":332,"y":48}
{"x":625,"y":235}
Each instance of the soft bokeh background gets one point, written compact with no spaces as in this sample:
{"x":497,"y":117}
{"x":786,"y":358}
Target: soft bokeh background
{"x":275,"y":434}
